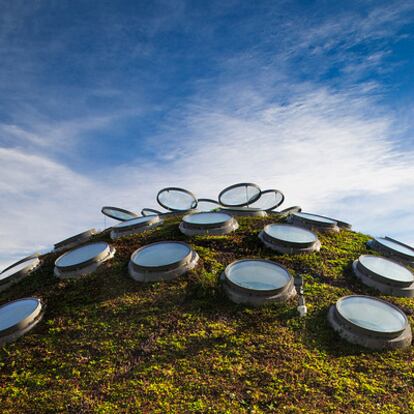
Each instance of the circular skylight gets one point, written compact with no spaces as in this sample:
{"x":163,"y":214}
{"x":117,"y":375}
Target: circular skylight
{"x":134,"y":226}
{"x":176,"y":199}
{"x":83,"y":254}
{"x":83,"y":260}
{"x":372,"y":314}
{"x":395,"y":247}
{"x":208,"y":223}
{"x":386,"y":269}
{"x":207,"y":204}
{"x":161,"y":254}
{"x":290,"y":234}
{"x":118,"y":213}
{"x":207,"y":218}
{"x":78,"y":238}
{"x":244,"y":211}
{"x":135,"y":222}
{"x":150,"y":212}
{"x":239,"y":195}
{"x":18,"y":267}
{"x":286,"y":238}
{"x":315,"y":218}
{"x":161,"y":261}
{"x":269,"y":200}
{"x":257,"y":282}
{"x":257,"y":275}
{"x":17,"y":317}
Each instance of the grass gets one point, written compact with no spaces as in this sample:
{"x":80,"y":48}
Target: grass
{"x":108,"y":344}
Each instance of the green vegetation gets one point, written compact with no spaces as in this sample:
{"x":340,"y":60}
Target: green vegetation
{"x":108,"y":344}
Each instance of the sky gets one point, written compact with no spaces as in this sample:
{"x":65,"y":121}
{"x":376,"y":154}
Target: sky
{"x":105,"y":103}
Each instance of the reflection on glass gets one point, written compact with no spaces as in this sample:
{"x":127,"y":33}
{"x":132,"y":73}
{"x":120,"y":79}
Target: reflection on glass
{"x":290,"y":234}
{"x":207,"y":218}
{"x":120,"y":215}
{"x":257,"y":275}
{"x":268,"y":200}
{"x":160,"y":254}
{"x":386,"y":268}
{"x":395,"y":246}
{"x":240,"y":195}
{"x":371,"y":314}
{"x":135,"y":221}
{"x":315,"y":217}
{"x":16,"y":311}
{"x":15,"y":269}
{"x":206,"y":205}
{"x":176,"y":200}
{"x":82,"y":254}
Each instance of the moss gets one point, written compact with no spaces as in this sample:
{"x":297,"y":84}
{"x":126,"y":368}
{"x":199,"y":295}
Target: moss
{"x":108,"y":344}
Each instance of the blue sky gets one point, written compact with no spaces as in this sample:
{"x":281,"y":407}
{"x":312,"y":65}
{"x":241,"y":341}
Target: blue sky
{"x":107,"y":102}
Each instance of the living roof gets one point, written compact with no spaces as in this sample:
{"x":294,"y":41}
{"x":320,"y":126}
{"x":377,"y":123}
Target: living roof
{"x":108,"y":344}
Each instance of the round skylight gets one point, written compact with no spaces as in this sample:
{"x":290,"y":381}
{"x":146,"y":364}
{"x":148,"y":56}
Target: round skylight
{"x":207,"y":204}
{"x":17,"y":317}
{"x":239,"y":195}
{"x":290,"y":234}
{"x":118,"y":213}
{"x":393,"y":247}
{"x":386,"y":269}
{"x":244,"y":211}
{"x":17,"y":271}
{"x":309,"y":220}
{"x":134,"y":226}
{"x":208,"y":223}
{"x":162,"y":261}
{"x":255,"y":282}
{"x":162,"y":254}
{"x":370,"y":322}
{"x":206,"y":218}
{"x":150,"y":212}
{"x":269,"y":200}
{"x":386,"y":275}
{"x":372,"y":314}
{"x":286,"y":238}
{"x":134,"y":222}
{"x":257,"y":275}
{"x":74,"y":240}
{"x":83,"y":260}
{"x":176,"y":199}
{"x":314,"y":218}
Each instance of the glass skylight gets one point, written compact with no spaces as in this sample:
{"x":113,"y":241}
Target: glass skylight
{"x":150,"y":212}
{"x":78,"y":238}
{"x":118,"y":213}
{"x":135,"y":222}
{"x":258,"y":275}
{"x":386,"y":269}
{"x":269,"y":200}
{"x":207,"y":204}
{"x":161,"y":254}
{"x":207,"y":218}
{"x":394,"y":246}
{"x":315,"y":218}
{"x":290,"y":234}
{"x":83,"y":254}
{"x":176,"y":199}
{"x":239,"y":195}
{"x":372,"y":314}
{"x":17,"y":311}
{"x":19,"y":267}
{"x":17,"y":317}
